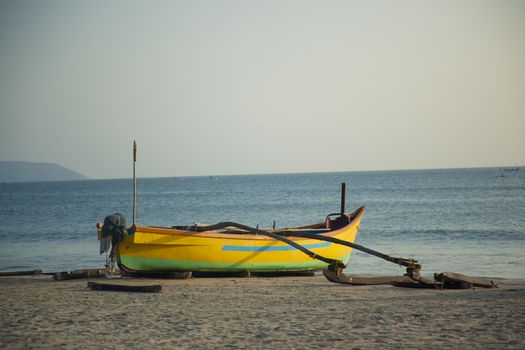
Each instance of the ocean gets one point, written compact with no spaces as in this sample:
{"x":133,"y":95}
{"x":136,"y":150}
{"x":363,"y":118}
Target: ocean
{"x":469,"y":221}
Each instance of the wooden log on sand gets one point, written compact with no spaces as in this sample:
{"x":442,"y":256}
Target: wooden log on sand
{"x":237,"y":274}
{"x":415,"y":284}
{"x":284,"y":273}
{"x":20,"y":273}
{"x":154,"y":288}
{"x":78,"y":274}
{"x":425,"y":282}
{"x":444,"y":280}
{"x":178,"y":275}
{"x":332,"y":276}
{"x":452,"y":278}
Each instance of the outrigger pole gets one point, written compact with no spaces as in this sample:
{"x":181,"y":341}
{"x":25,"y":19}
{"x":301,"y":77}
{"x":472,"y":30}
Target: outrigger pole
{"x":410,"y":263}
{"x":334,"y":263}
{"x":134,"y":181}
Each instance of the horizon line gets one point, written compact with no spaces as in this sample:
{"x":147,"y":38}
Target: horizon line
{"x":305,"y":172}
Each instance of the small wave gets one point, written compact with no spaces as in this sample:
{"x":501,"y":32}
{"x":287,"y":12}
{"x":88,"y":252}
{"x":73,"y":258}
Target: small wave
{"x":460,"y":234}
{"x":14,"y":267}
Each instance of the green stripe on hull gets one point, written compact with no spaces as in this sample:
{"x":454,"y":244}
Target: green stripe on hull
{"x":137,"y":263}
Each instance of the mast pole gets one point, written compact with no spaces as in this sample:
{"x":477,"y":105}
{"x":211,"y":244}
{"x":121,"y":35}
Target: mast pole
{"x":134,"y":181}
{"x":343,"y":199}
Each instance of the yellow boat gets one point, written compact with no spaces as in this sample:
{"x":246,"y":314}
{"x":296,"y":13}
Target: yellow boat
{"x":231,"y":247}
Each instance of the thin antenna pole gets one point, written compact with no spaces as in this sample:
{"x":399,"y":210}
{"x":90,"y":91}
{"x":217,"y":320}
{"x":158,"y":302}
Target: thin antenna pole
{"x":343,"y":199}
{"x":134,"y":181}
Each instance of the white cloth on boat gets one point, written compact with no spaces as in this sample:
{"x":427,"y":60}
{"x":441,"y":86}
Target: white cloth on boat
{"x":105,"y":243}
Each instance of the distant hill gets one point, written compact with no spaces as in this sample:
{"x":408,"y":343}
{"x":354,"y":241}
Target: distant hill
{"x":27,"y":171}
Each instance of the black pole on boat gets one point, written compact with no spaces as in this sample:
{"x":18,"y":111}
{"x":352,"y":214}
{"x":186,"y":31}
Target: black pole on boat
{"x":399,"y":261}
{"x":134,"y":181}
{"x":334,"y":263}
{"x":343,"y":199}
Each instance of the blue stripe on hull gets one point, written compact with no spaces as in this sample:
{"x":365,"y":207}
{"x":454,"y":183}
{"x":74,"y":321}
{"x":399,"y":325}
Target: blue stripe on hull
{"x":272,"y":248}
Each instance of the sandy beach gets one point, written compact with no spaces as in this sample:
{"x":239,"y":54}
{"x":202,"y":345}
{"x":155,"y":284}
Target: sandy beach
{"x":257,"y":312}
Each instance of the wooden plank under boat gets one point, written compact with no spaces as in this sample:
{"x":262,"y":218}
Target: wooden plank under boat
{"x":147,"y":249}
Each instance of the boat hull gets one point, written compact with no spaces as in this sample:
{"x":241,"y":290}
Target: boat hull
{"x":152,"y":249}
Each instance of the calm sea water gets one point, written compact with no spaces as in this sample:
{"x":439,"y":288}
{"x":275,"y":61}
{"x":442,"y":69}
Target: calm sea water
{"x":465,"y":220}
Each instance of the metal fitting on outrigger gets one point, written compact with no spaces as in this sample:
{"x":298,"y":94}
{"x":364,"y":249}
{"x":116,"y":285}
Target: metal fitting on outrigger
{"x":413,"y":269}
{"x":336,"y":266}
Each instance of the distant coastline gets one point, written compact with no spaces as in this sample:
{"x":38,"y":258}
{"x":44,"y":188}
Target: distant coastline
{"x":17,"y":171}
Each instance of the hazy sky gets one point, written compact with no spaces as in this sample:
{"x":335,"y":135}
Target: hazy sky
{"x":243,"y":87}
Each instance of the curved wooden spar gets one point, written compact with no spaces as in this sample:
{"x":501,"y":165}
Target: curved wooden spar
{"x":399,"y":261}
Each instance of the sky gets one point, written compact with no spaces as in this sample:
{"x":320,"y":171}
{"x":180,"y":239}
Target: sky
{"x":257,"y":87}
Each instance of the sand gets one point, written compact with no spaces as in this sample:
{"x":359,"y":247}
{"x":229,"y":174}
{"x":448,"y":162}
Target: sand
{"x":258,"y":313}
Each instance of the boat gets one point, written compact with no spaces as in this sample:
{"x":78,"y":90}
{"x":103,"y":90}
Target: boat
{"x":148,"y":249}
{"x":228,"y":247}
